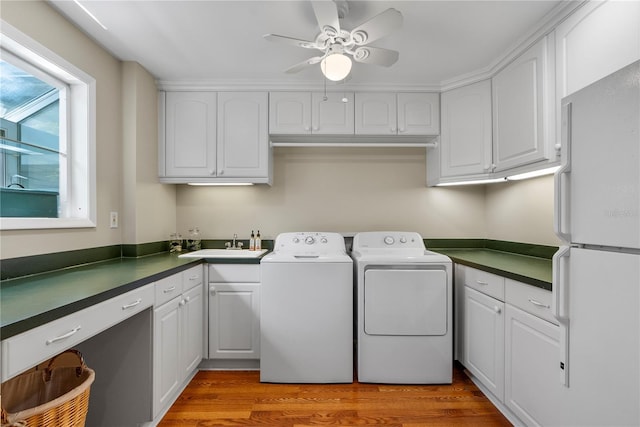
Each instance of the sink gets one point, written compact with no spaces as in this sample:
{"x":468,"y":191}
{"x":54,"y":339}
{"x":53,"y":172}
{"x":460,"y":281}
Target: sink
{"x":223,"y":253}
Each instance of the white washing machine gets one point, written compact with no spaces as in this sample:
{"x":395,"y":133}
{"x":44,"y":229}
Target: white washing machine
{"x":404,"y":310}
{"x":306,"y":319}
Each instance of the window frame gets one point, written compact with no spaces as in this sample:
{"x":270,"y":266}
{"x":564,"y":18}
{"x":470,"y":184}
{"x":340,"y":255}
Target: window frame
{"x":77,"y":135}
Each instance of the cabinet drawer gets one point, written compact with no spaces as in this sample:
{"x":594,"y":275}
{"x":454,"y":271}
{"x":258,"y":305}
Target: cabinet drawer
{"x":533,"y":300}
{"x":239,"y":273}
{"x":168,"y":288}
{"x":487,"y":283}
{"x":30,"y":348}
{"x":192,"y":278}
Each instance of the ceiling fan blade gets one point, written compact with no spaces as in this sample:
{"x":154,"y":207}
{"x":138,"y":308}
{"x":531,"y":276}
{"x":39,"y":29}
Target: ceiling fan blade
{"x":302,"y":65}
{"x":327,"y":15}
{"x":377,"y":27}
{"x":375,"y":55}
{"x":290,"y":40}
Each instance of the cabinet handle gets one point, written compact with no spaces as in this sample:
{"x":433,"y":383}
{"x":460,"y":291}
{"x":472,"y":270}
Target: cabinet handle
{"x":133,"y":304}
{"x":497,"y":309}
{"x":538,"y":303}
{"x":401,"y":130}
{"x":480,"y":282}
{"x":63,"y":336}
{"x":169,"y":290}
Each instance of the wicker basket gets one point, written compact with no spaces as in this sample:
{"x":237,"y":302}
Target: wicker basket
{"x":56,"y":396}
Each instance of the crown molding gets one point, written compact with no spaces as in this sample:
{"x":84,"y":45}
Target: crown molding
{"x":316,"y":86}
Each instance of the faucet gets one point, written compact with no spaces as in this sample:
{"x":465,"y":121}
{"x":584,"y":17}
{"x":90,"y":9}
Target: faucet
{"x":235,"y":244}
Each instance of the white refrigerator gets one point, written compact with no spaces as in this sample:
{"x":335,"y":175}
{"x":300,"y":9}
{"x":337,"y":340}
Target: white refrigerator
{"x":596,"y":285}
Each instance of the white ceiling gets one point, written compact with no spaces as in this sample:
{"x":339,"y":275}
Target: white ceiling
{"x":221,"y":41}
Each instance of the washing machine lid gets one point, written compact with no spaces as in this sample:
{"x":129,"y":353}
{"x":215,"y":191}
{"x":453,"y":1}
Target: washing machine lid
{"x":308,"y":247}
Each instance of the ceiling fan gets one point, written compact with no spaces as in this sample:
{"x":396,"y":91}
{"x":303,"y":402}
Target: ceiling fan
{"x":337,"y":44}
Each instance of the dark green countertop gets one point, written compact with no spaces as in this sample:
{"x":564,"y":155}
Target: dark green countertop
{"x":532,"y":270}
{"x":31,"y":301}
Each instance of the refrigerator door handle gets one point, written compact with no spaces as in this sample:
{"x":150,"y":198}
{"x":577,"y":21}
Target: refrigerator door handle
{"x":559,"y":308}
{"x":561,"y":200}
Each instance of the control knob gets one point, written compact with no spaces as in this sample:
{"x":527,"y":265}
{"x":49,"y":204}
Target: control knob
{"x":309,"y":240}
{"x":389,"y":240}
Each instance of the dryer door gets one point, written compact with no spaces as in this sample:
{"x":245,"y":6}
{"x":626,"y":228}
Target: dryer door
{"x":405,"y":302}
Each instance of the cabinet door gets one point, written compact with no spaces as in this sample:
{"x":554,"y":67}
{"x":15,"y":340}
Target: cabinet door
{"x":484,"y":340}
{"x":375,"y":113}
{"x":523,"y":113}
{"x":532,"y":389}
{"x":166,"y":353}
{"x":465,"y":147}
{"x":192,"y":327}
{"x":243,"y":140}
{"x":332,"y":116}
{"x":234,"y":320}
{"x":596,"y":40}
{"x":190,"y":134}
{"x":290,"y":113}
{"x":418,"y":113}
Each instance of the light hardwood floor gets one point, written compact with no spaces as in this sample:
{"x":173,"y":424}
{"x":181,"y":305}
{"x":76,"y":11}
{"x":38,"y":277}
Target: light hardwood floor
{"x":223,"y":398}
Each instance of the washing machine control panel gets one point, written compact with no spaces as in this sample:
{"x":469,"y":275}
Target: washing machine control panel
{"x":388,"y":240}
{"x":310,"y":243}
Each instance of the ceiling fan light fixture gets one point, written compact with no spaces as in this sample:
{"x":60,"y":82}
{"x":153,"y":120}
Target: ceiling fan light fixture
{"x":336,"y":66}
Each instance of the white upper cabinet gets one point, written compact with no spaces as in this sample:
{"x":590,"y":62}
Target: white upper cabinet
{"x":243,"y":143}
{"x":214,"y":137}
{"x":331,"y":115}
{"x":466,"y":130}
{"x":384,"y":113}
{"x":523,"y":109}
{"x":376,"y":113}
{"x":346,"y":113}
{"x":418,"y":113}
{"x":190,"y":134}
{"x":290,"y":113}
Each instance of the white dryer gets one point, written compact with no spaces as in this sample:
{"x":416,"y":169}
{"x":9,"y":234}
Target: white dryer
{"x":404,"y":310}
{"x":306,"y":320}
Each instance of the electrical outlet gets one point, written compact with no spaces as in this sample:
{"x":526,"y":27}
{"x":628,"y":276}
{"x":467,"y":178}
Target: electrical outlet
{"x":113,"y":219}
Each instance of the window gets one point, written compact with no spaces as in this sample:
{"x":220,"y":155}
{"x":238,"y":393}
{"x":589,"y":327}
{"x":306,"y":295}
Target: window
{"x":47,"y":138}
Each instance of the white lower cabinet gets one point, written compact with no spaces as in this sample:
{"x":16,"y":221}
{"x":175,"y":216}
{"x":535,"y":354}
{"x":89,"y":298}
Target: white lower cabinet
{"x":177,"y":337}
{"x":234,"y":320}
{"x":484,"y":340}
{"x":532,"y":387}
{"x":510,"y":344}
{"x":234,"y":312}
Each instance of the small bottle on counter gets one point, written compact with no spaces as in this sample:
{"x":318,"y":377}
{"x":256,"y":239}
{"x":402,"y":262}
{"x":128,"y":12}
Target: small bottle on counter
{"x":258,"y":242}
{"x":252,"y":242}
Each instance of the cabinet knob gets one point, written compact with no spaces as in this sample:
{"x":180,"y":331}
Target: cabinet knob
{"x":212,"y":172}
{"x":221,"y":172}
{"x":212,"y":291}
{"x":497,"y":309}
{"x":307,"y":128}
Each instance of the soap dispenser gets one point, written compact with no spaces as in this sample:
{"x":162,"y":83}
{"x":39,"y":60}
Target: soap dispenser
{"x":258,"y":242}
{"x":252,"y":242}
